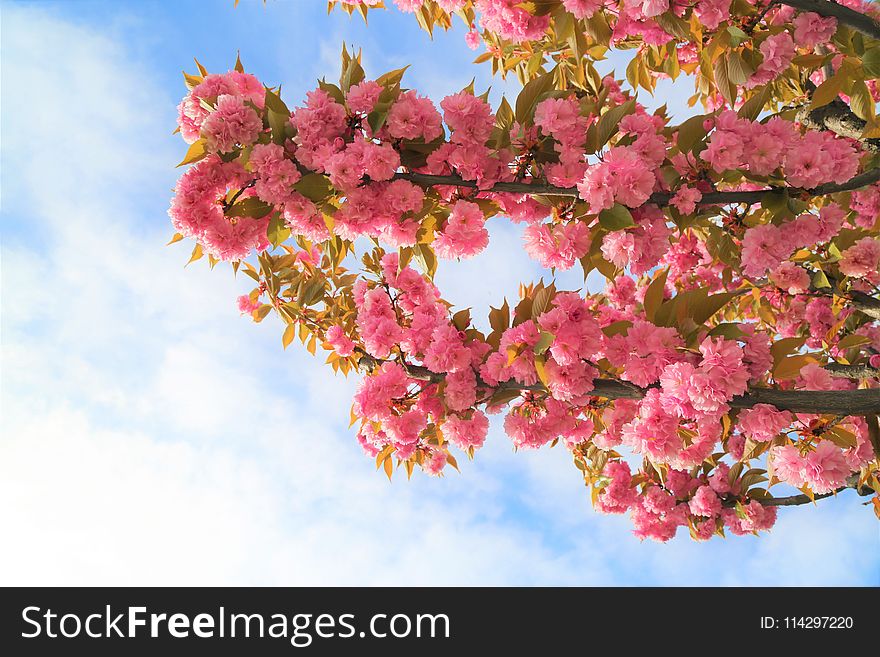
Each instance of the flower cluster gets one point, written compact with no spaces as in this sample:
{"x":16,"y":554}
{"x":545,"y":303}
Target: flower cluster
{"x":807,"y":160}
{"x":707,"y":302}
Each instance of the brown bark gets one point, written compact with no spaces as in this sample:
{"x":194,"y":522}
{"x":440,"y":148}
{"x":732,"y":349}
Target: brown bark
{"x":659,"y":198}
{"x":838,"y":402}
{"x":850,"y":17}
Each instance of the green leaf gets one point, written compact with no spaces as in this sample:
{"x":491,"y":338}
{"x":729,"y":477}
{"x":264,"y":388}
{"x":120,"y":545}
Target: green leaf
{"x":352,"y":74}
{"x":785,"y":346}
{"x":654,"y":295}
{"x":462,"y":319}
{"x":871,"y":62}
{"x":828,"y":90}
{"x":392,"y":78}
{"x":820,"y":280}
{"x":752,"y":108}
{"x":702,"y":309}
{"x":274,"y":103}
{"x":690,"y":132}
{"x":195,"y":153}
{"x":278,"y":231}
{"x":424,"y":255}
{"x":541,"y":371}
{"x":697,"y":305}
{"x":544,"y":342}
{"x":790,"y":366}
{"x":609,"y":122}
{"x":617,"y":217}
{"x":197,"y":253}
{"x":842,"y":438}
{"x":727,"y":330}
{"x":250,"y":207}
{"x":672,"y":24}
{"x":502,"y":396}
{"x":334,"y":92}
{"x":311,"y":292}
{"x":861,"y":102}
{"x":615,"y":328}
{"x":202,"y":70}
{"x":541,"y":301}
{"x":314,"y":186}
{"x":739,"y":71}
{"x":597,"y":27}
{"x":499,"y":318}
{"x":528,"y":97}
{"x":725,"y":85}
{"x":737,"y":36}
{"x":289,"y":334}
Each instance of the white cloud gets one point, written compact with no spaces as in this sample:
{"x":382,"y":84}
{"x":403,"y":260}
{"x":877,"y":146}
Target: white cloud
{"x":150,"y":436}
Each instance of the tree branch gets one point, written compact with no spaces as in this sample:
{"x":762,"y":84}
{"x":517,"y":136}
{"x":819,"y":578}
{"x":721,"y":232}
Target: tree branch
{"x":837,"y":117}
{"x":865,"y":304}
{"x":874,"y":433}
{"x":838,"y":402}
{"x":852,"y":482}
{"x":798,"y":500}
{"x":863,"y":371}
{"x":854,"y":19}
{"x":660,"y":198}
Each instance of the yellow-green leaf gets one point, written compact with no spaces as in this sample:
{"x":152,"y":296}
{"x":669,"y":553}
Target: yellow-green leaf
{"x":654,"y":295}
{"x":828,"y":90}
{"x":195,"y":153}
{"x":289,"y":335}
{"x":617,"y":217}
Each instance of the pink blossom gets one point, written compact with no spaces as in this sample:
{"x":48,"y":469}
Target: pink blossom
{"x":557,"y":246}
{"x":276,"y":174}
{"x":826,"y":468}
{"x":787,"y":464}
{"x":461,"y":389}
{"x":363,"y":97}
{"x":763,"y":248}
{"x":414,"y":117}
{"x":408,"y":6}
{"x":465,"y":433}
{"x":866,"y":204}
{"x":246,"y":305}
{"x":862,"y":258}
{"x":756,"y":517}
{"x":618,"y":495}
{"x":686,"y":199}
{"x":342,"y":344}
{"x":705,"y":503}
{"x":464,"y":235}
{"x":508,"y":19}
{"x":192,"y":113}
{"x":712,"y":12}
{"x":810,"y":29}
{"x":777,"y":50}
{"x":791,"y":278}
{"x":375,"y":392}
{"x":624,"y":174}
{"x":582,"y":8}
{"x":469,"y":117}
{"x":447,"y":352}
{"x":763,"y":422}
{"x":231,"y":123}
{"x":639,"y":248}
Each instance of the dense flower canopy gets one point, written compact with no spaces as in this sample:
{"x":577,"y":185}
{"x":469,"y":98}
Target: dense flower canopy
{"x":736,"y":344}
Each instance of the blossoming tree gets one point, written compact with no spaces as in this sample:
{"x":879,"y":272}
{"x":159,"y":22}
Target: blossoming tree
{"x":735,"y":346}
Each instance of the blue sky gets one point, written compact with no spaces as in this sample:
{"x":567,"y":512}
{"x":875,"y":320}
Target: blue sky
{"x":152,"y":436}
